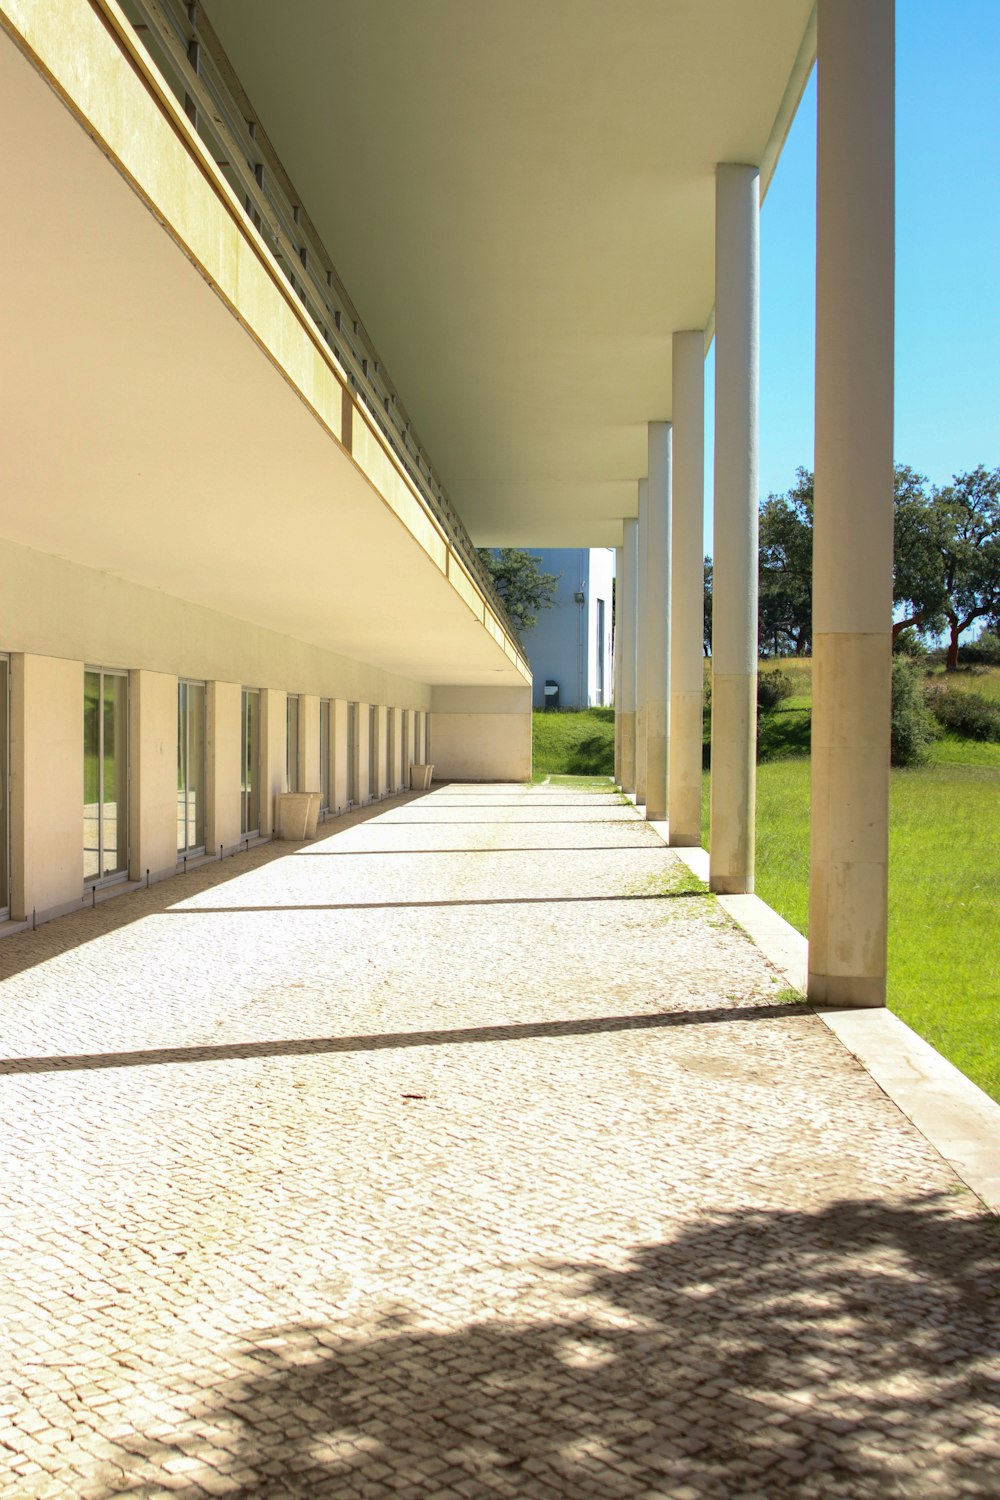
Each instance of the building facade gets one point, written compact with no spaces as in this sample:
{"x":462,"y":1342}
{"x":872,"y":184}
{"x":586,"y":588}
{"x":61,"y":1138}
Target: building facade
{"x":570,"y":646}
{"x":229,"y":560}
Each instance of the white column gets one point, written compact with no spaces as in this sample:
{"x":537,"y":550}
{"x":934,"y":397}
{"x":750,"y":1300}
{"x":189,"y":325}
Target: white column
{"x":657,"y":620}
{"x":273,"y":755}
{"x":308,"y":743}
{"x":627,"y":623}
{"x":152,"y":728}
{"x":223,"y":727}
{"x":339,"y":750}
{"x":687,"y":590}
{"x":734,"y":590}
{"x":640,"y":646}
{"x":852,"y":569}
{"x":617,"y":679}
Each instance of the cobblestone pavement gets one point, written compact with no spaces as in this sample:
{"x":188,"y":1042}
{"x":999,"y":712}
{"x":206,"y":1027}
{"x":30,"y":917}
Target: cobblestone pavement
{"x":467,"y":1151}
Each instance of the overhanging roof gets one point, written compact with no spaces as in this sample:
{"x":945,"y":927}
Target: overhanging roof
{"x":519,"y":197}
{"x":149,"y":437}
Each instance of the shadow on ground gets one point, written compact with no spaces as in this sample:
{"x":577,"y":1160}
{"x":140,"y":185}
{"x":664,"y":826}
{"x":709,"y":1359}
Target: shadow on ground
{"x":844,"y":1352}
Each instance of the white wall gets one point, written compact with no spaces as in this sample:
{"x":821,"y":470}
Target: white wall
{"x":562,"y":646}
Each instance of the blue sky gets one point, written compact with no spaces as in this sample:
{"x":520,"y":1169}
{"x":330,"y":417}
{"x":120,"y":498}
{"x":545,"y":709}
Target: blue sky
{"x":947,"y":257}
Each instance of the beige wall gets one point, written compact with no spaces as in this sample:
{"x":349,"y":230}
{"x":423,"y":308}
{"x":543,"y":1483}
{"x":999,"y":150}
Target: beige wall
{"x":272,"y":754}
{"x":338,"y":751}
{"x":309,"y":743}
{"x":51,"y":607}
{"x":480,"y":734}
{"x":398,"y":749}
{"x":361,"y":760}
{"x":46,"y":784}
{"x":474,"y":733}
{"x":224,"y":710}
{"x":153,"y":757}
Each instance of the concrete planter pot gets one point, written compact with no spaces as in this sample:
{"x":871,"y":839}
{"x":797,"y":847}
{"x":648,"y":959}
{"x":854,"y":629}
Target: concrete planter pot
{"x":295,"y":812}
{"x":420,"y":778}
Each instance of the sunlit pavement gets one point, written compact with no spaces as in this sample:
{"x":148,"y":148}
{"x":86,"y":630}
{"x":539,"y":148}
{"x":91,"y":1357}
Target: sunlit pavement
{"x":469,"y":1150}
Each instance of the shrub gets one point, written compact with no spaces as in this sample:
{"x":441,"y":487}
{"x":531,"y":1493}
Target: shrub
{"x":908,"y":643}
{"x":984,"y":651}
{"x":772,"y":689}
{"x":968,"y":714}
{"x":912,"y":725}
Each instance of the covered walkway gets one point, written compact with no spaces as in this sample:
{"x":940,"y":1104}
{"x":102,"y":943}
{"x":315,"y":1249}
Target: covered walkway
{"x":469,"y":1150}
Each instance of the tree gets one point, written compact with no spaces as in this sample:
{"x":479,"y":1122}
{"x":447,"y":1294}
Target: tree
{"x":966,"y":532}
{"x":917,"y":577}
{"x":946,"y":559}
{"x":707,"y":619}
{"x":785,"y":589}
{"x":520,"y":582}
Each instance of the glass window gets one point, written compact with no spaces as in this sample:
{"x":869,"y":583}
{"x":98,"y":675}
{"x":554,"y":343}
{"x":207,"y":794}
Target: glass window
{"x":291,"y":743}
{"x":105,"y":774}
{"x":324,"y":754}
{"x":190,"y":767}
{"x":250,"y":762}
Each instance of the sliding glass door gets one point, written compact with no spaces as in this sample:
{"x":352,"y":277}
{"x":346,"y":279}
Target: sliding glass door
{"x":291,"y":743}
{"x":352,"y":754}
{"x":250,"y":762}
{"x":324,"y":755}
{"x":105,"y":775}
{"x":190,"y":768}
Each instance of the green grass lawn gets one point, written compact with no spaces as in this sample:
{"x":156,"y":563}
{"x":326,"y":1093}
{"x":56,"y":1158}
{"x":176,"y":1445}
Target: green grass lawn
{"x":944,"y":879}
{"x":944,"y":874}
{"x":573,"y":743}
{"x":944,"y":889}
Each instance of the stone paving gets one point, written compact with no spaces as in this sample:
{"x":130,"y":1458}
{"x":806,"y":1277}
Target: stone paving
{"x":467,"y":1151}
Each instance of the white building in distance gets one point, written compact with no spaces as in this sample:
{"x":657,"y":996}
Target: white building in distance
{"x":570,"y":648}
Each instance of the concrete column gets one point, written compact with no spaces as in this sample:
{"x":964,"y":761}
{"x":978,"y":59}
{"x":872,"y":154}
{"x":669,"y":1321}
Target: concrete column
{"x":640,"y":646}
{"x":308,"y":743}
{"x":687,"y":590}
{"x":273,"y":752}
{"x":338,"y":752}
{"x":627,"y":623}
{"x":617,"y":679}
{"x":734,"y":592}
{"x":152,"y":739}
{"x":657,"y":620}
{"x":46,"y":785}
{"x":223,"y":728}
{"x":362,"y":762}
{"x":852,"y":546}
